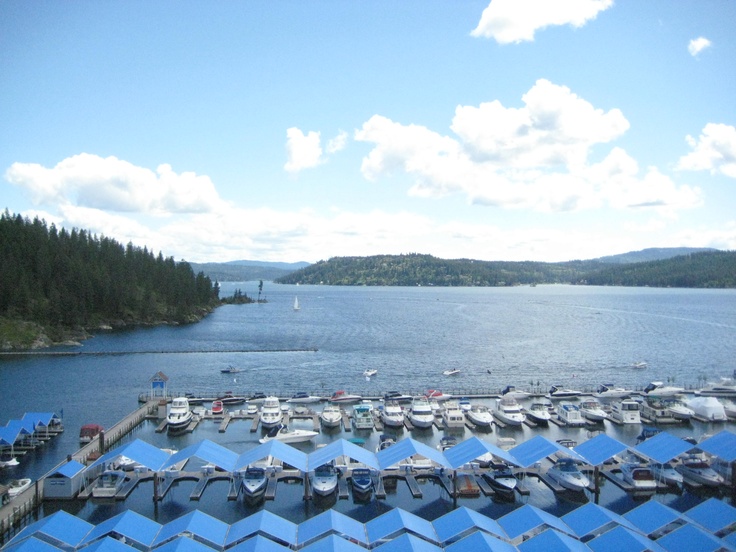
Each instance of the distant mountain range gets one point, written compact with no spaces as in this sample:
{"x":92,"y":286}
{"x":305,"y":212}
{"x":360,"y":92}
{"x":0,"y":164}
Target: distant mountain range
{"x":246,"y":271}
{"x":652,"y":254}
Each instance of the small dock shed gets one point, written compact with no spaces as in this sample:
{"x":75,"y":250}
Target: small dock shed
{"x":65,"y":482}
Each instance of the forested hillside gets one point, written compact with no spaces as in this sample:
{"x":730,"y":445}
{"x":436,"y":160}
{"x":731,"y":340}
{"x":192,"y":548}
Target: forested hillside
{"x":61,"y":279}
{"x":707,"y":269}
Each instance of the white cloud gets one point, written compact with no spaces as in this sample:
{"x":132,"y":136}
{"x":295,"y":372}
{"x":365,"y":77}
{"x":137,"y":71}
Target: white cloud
{"x":714,"y":151}
{"x":697,"y":45}
{"x":302,"y":151}
{"x":337,"y":143}
{"x":112,"y":184}
{"x":516,"y":21}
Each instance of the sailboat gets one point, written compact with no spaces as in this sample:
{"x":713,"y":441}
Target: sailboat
{"x":296,"y":303}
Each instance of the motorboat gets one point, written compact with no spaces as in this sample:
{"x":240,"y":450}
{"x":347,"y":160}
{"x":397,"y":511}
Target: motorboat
{"x":464,"y":404}
{"x":538,"y":412}
{"x":230,"y":370}
{"x":254,"y":483}
{"x":108,"y":484}
{"x":437,"y":395}
{"x":344,"y":397}
{"x":251,"y":409}
{"x":17,"y":486}
{"x":696,"y":469}
{"x":257,"y":398}
{"x":452,"y":372}
{"x":370,"y":372}
{"x":559,"y":392}
{"x":8,"y":460}
{"x":324,"y":479}
{"x":640,"y":365}
{"x":567,"y":474}
{"x":398,"y":397}
{"x":610,"y":391}
{"x":639,"y":476}
{"x":271,"y":413}
{"x":125,"y":464}
{"x":592,"y":410}
{"x":392,"y":415}
{"x":480,"y":415}
{"x":659,"y":389}
{"x":88,"y":432}
{"x":727,"y":388}
{"x":666,"y":473}
{"x":331,"y":416}
{"x":420,"y":413}
{"x":729,"y":407}
{"x":384,"y":442}
{"x":180,"y":416}
{"x":452,"y":415}
{"x":362,"y":481}
{"x":218,"y":409}
{"x":229,"y":399}
{"x":626,"y":411}
{"x":678,"y":409}
{"x":446,"y":442}
{"x":512,"y":392}
{"x":501,"y":478}
{"x":707,"y":409}
{"x":283,"y":433}
{"x":509,"y":411}
{"x":194,"y":399}
{"x":654,"y":409}
{"x":303,"y":398}
{"x":569,"y":414}
{"x":505,"y":443}
{"x":363,"y":416}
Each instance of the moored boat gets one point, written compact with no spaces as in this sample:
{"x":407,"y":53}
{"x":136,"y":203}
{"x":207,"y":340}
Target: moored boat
{"x":509,"y":411}
{"x":708,"y":409}
{"x":392,"y":415}
{"x":331,"y":416}
{"x":512,"y":392}
{"x":666,"y":473}
{"x":480,"y":415}
{"x":229,"y":399}
{"x":437,"y":395}
{"x":626,"y":411}
{"x":452,"y":415}
{"x":420,"y":413}
{"x":398,"y":397}
{"x":362,"y":481}
{"x":283,"y":433}
{"x":610,"y":391}
{"x":342,"y":396}
{"x":17,"y":486}
{"x":88,"y":432}
{"x":108,"y":484}
{"x":559,"y":392}
{"x":324,"y":479}
{"x":179,"y":416}
{"x":303,"y":398}
{"x":501,"y":479}
{"x":363,"y":416}
{"x":659,"y":389}
{"x":696,"y":469}
{"x":254,"y":483}
{"x":592,"y":410}
{"x":639,"y":476}
{"x":271,"y":413}
{"x":569,"y":414}
{"x":218,"y":408}
{"x":566,"y":472}
{"x":539,"y":413}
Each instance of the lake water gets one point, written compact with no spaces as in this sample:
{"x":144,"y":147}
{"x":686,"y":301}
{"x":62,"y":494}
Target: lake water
{"x":574,"y":336}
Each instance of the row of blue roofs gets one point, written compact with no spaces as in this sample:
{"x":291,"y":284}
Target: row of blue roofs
{"x":15,"y":430}
{"x":651,"y":526}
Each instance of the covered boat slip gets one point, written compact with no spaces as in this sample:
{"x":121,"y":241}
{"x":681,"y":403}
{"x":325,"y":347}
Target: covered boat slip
{"x":650,"y":526}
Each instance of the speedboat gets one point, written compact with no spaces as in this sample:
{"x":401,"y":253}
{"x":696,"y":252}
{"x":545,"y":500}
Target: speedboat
{"x":640,"y":365}
{"x":282,"y":433}
{"x":271,"y":413}
{"x":228,"y":398}
{"x":180,"y":416}
{"x":88,"y":432}
{"x":447,"y":442}
{"x":559,"y":392}
{"x":659,"y":389}
{"x":254,"y":482}
{"x":303,"y":398}
{"x":331,"y":416}
{"x":666,"y":473}
{"x":452,"y":372}
{"x":610,"y":391}
{"x":464,"y":404}
{"x":505,"y":443}
{"x":108,"y":484}
{"x":257,"y":398}
{"x":565,"y":472}
{"x":437,"y":395}
{"x":452,"y":415}
{"x":362,"y":481}
{"x":729,"y":407}
{"x":512,"y":392}
{"x":727,"y":388}
{"x":569,"y":414}
{"x":17,"y":486}
{"x":480,"y":415}
{"x":7,"y":460}
{"x":392,"y":415}
{"x":324,"y":479}
{"x":592,"y":410}
{"x":370,"y":372}
{"x":398,"y":397}
{"x":385,"y":441}
{"x":501,"y":478}
{"x":217,"y":408}
{"x":708,"y":409}
{"x":539,"y":413}
{"x":696,"y":469}
{"x":343,"y":397}
{"x":639,"y":476}
{"x":420,"y":413}
{"x":626,"y":412}
{"x":678,"y":409}
{"x":230,"y":370}
{"x":509,"y":411}
{"x":363,"y":416}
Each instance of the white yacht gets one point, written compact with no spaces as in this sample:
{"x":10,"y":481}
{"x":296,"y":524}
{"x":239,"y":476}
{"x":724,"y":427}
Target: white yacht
{"x":569,"y":414}
{"x":678,"y":409}
{"x":610,"y":391}
{"x":501,"y":478}
{"x":271,"y":414}
{"x":108,"y":484}
{"x":659,"y":389}
{"x":565,"y":472}
{"x":363,"y":416}
{"x":559,"y":392}
{"x":254,"y":483}
{"x":421,"y":414}
{"x":626,"y":411}
{"x":179,"y":415}
{"x":509,"y":411}
{"x":726,"y":388}
{"x":324,"y":479}
{"x":512,"y":392}
{"x":452,"y":415}
{"x":392,"y":415}
{"x":592,"y":410}
{"x":696,"y":469}
{"x":284,"y":434}
{"x":303,"y":398}
{"x":539,"y":413}
{"x":480,"y":415}
{"x":639,"y":476}
{"x":666,"y":473}
{"x":331,"y":416}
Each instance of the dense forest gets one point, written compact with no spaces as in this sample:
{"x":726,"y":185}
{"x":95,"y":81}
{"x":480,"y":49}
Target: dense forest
{"x":61,"y":280}
{"x":701,"y":269}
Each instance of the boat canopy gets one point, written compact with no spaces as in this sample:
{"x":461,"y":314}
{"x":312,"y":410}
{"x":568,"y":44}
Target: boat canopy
{"x":480,"y":541}
{"x":207,"y":451}
{"x":138,"y":451}
{"x":690,"y":537}
{"x":135,"y":527}
{"x":593,"y":519}
{"x":663,"y":447}
{"x":553,"y":540}
{"x":652,"y":516}
{"x":538,"y":447}
{"x":339,"y":448}
{"x":622,"y":538}
{"x":328,"y":522}
{"x":600,"y":449}
{"x":473,"y":448}
{"x":262,"y":522}
{"x":722,"y":445}
{"x":60,"y":526}
{"x":406,"y":448}
{"x":529,"y":520}
{"x":203,"y":527}
{"x":713,"y":514}
{"x":277,"y":449}
{"x":398,"y":521}
{"x":456,"y":523}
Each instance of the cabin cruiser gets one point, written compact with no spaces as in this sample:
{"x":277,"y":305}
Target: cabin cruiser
{"x":88,"y":432}
{"x":565,"y":472}
{"x":331,"y":416}
{"x":509,"y":411}
{"x":726,"y":388}
{"x":447,"y":442}
{"x":17,"y":486}
{"x":254,"y":483}
{"x":666,"y":473}
{"x":271,"y":414}
{"x":452,"y":415}
{"x":678,"y":409}
{"x":639,"y":476}
{"x":257,"y":398}
{"x":626,"y":411}
{"x":538,"y":412}
{"x":395,"y":396}
{"x":420,"y":413}
{"x":610,"y":391}
{"x":707,"y":409}
{"x":303,"y":398}
{"x":559,"y":392}
{"x":659,"y":389}
{"x":282,"y":433}
{"x":228,"y":398}
{"x":729,"y":407}
{"x":464,"y":404}
{"x":569,"y":414}
{"x":363,"y":416}
{"x":512,"y":392}
{"x":324,"y":479}
{"x":654,"y":409}
{"x":696,"y":469}
{"x":592,"y":410}
{"x":179,"y":416}
{"x":362,"y":481}
{"x":392,"y":415}
{"x":108,"y":484}
{"x":480,"y":415}
{"x":501,"y":478}
{"x":344,"y":397}
{"x":452,"y":372}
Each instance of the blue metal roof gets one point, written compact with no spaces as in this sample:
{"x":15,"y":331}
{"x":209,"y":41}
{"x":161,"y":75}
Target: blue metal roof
{"x":398,"y":520}
{"x":259,"y":544}
{"x":408,"y":543}
{"x":652,"y":516}
{"x":60,"y":527}
{"x":341,"y":447}
{"x":20,"y":427}
{"x":722,"y":444}
{"x":407,"y":448}
{"x":600,"y":448}
{"x":621,"y":538}
{"x":333,"y":544}
{"x":264,"y":522}
{"x":288,"y":454}
{"x":70,"y":469}
{"x":536,"y":448}
{"x":453,"y":524}
{"x":527,"y":519}
{"x":183,"y":544}
{"x":713,"y":514}
{"x":139,"y":451}
{"x":552,"y":541}
{"x":690,"y":537}
{"x":591,"y":519}
{"x":663,"y":447}
{"x":204,"y":526}
{"x":41,"y":418}
{"x":473,"y":448}
{"x":480,"y":542}
{"x":133,"y":526}
{"x":330,"y":521}
{"x":31,"y":545}
{"x":207,"y":451}
{"x":108,"y":544}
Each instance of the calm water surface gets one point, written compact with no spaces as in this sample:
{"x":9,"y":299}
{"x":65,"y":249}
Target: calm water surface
{"x":575,"y":336}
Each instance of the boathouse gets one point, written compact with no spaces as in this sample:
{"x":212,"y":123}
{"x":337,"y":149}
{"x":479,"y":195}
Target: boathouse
{"x":65,"y":482}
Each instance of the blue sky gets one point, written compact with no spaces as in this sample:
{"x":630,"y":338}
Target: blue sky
{"x":303,"y":130}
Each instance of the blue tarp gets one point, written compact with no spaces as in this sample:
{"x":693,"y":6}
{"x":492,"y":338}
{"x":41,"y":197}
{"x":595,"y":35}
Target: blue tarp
{"x":288,"y":454}
{"x":207,"y":451}
{"x":204,"y":526}
{"x":263,"y":522}
{"x":552,"y":541}
{"x":454,"y":524}
{"x":600,"y":448}
{"x":470,"y":449}
{"x":536,"y":448}
{"x":398,"y":521}
{"x":480,"y":542}
{"x":339,"y":448}
{"x":406,"y":448}
{"x":527,"y":519}
{"x":713,"y":514}
{"x":60,"y":527}
{"x":653,"y":516}
{"x":592,"y":519}
{"x":663,"y":447}
{"x":328,"y":522}
{"x":621,"y":538}
{"x":688,"y":538}
{"x":133,"y":526}
{"x":722,"y":445}
{"x":139,"y":451}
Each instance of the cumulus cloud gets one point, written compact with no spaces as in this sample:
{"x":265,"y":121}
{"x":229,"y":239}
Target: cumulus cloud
{"x":303,"y":151}
{"x":514,"y":21}
{"x":714,"y":151}
{"x":532,"y":157}
{"x":697,"y":45}
{"x":112,"y":184}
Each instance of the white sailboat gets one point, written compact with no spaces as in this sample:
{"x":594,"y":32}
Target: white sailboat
{"x":296,"y":303}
